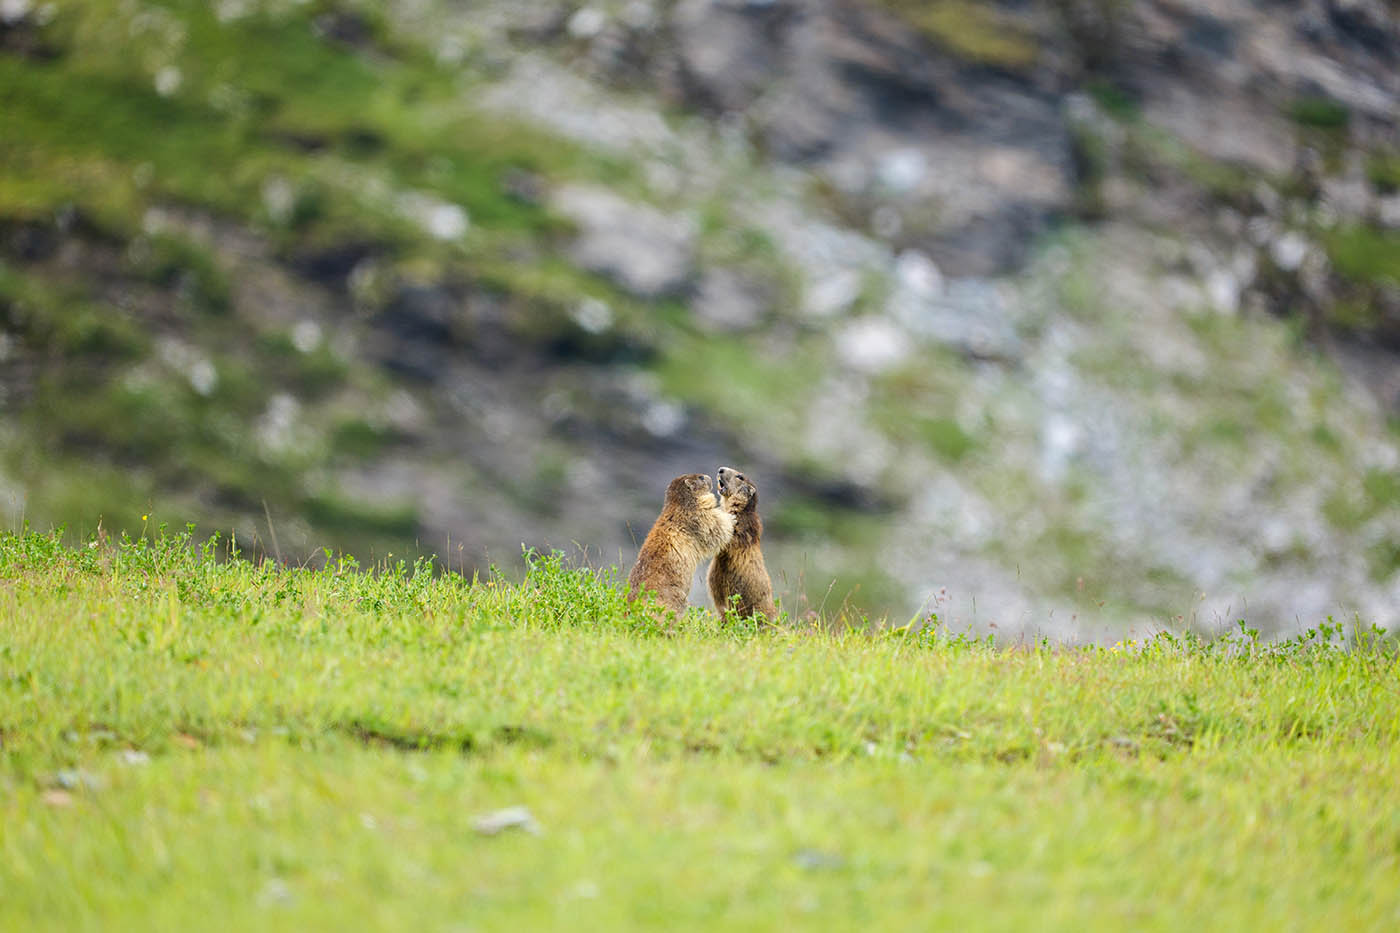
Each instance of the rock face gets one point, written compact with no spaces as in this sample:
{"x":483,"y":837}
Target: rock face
{"x":728,"y":53}
{"x":850,"y":91}
{"x":1077,"y":373}
{"x":985,"y":293}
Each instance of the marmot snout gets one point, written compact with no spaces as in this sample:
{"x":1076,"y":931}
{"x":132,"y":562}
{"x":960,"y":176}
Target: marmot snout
{"x":691,"y":527}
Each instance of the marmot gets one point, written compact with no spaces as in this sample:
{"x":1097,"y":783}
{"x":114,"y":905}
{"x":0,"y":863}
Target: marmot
{"x":738,"y":569}
{"x":692,"y":526}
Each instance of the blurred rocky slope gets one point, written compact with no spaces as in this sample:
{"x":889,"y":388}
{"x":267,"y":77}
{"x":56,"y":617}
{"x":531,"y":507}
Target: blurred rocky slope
{"x":1072,"y":317}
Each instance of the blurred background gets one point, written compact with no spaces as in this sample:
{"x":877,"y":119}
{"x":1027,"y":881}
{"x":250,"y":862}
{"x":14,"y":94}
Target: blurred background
{"x":1075,"y":318}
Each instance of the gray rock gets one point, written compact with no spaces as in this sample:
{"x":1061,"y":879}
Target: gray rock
{"x":1223,"y":291}
{"x":642,"y":250}
{"x":1350,"y":199}
{"x":817,"y":860}
{"x":872,"y":344}
{"x":593,"y":315}
{"x":1289,"y":251}
{"x":1388,"y":211}
{"x":586,"y":23}
{"x":832,"y":292}
{"x":78,"y":779}
{"x":971,"y":315}
{"x":498,"y":821}
{"x":13,"y":12}
{"x":725,"y":51}
{"x":276,"y":893}
{"x":442,"y":220}
{"x":902,"y":170}
{"x":918,"y":274}
{"x":729,"y":301}
{"x":1369,"y":22}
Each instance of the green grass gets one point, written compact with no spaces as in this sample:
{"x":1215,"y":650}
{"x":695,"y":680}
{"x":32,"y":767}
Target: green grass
{"x":63,"y":322}
{"x":734,"y":380}
{"x":1383,"y":169}
{"x":1319,"y":113}
{"x":188,"y":741}
{"x":260,"y":95}
{"x":1365,"y":254}
{"x":1367,"y":260}
{"x":974,"y":31}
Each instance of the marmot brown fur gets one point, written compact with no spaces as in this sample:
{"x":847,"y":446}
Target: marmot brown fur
{"x":738,"y":569}
{"x":692,"y":526}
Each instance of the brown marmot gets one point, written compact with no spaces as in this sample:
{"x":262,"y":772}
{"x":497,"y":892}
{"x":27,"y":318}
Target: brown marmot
{"x":738,"y":569}
{"x":691,"y":527}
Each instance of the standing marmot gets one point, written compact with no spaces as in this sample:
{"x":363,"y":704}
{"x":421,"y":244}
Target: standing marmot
{"x":692,"y":526}
{"x":738,"y":569}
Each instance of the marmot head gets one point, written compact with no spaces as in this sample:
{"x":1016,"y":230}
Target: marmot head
{"x":691,"y":491}
{"x":736,"y":489}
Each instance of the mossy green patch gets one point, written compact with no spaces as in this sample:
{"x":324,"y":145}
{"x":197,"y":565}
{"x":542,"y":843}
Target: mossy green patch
{"x":1383,"y":169}
{"x":1365,"y":254}
{"x":185,"y":268}
{"x":1356,"y":314}
{"x":976,"y":32}
{"x":62,"y":322}
{"x":1116,"y":100}
{"x":1149,"y":151}
{"x":1350,"y":506}
{"x":259,"y":96}
{"x":358,"y":438}
{"x":1320,"y":113}
{"x":335,"y":513}
{"x":736,"y":380}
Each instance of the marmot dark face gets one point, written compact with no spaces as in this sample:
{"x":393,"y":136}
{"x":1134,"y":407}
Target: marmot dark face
{"x":736,"y":489}
{"x":738,"y":578}
{"x":691,"y":491}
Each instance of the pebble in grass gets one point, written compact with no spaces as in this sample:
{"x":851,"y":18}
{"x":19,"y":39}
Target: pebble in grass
{"x":76,"y":779}
{"x":276,"y":893}
{"x":817,"y":860}
{"x":57,"y":798}
{"x":492,"y":824}
{"x":134,"y":757}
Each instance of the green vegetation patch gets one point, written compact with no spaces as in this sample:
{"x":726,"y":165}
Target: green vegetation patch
{"x":1365,"y":254}
{"x":64,"y":323}
{"x":248,"y":98}
{"x":1319,"y":113}
{"x":186,"y":736}
{"x":1384,"y":171}
{"x":335,"y":513}
{"x":759,"y":386}
{"x":977,"y":32}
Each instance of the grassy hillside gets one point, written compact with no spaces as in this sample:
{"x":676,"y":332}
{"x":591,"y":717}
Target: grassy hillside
{"x":212,"y":233}
{"x":174,"y":205}
{"x":190,"y":741}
